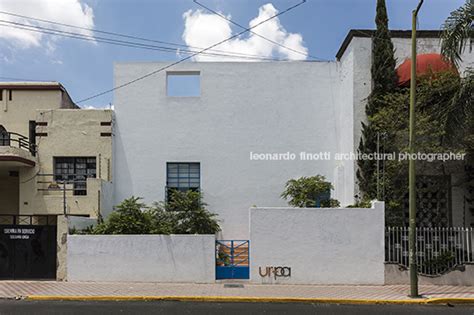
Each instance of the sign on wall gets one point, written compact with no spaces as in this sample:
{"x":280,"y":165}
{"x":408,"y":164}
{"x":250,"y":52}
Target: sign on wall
{"x":19,"y":233}
{"x":275,"y":272}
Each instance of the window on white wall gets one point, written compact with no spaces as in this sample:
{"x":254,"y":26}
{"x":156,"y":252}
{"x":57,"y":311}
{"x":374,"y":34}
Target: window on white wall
{"x":183,"y":83}
{"x":182,"y":177}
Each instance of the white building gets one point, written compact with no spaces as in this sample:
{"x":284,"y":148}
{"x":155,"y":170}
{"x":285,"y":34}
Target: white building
{"x":206,"y":140}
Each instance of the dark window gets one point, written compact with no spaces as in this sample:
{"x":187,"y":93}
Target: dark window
{"x":75,"y":170}
{"x":4,"y":137}
{"x":183,"y":176}
{"x":32,"y":137}
{"x":10,"y":95}
{"x":1,"y":95}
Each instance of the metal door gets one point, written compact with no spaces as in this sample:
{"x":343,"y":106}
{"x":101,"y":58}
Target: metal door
{"x":27,"y":251}
{"x":232,"y":259}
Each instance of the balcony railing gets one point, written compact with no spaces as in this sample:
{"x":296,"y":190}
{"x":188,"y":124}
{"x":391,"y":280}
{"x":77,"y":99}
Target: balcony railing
{"x":75,"y":183}
{"x":13,"y":139}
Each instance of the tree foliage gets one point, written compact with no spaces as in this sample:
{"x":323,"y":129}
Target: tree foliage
{"x":384,"y":80}
{"x":457,"y":30}
{"x":187,"y":213}
{"x":183,"y":213}
{"x":130,"y":217}
{"x":383,"y":71}
{"x":444,"y":123}
{"x":306,"y":192}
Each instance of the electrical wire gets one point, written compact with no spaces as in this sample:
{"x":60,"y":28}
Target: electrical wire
{"x":190,"y":56}
{"x":256,"y":34}
{"x":224,"y":52}
{"x":111,"y":41}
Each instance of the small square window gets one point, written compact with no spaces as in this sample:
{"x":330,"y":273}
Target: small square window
{"x":183,"y":84}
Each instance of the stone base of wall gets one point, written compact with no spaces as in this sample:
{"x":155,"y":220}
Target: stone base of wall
{"x":61,"y":242}
{"x":394,"y":274}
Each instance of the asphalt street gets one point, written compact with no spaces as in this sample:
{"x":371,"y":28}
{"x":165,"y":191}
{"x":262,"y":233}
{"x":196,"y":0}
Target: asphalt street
{"x":205,"y":308}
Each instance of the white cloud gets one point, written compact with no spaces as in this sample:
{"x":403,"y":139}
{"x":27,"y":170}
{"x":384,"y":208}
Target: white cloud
{"x":203,"y":30}
{"x":63,"y":11}
{"x":98,"y":107}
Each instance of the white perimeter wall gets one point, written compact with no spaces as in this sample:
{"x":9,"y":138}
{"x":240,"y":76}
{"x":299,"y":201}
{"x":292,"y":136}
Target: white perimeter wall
{"x":147,"y":258}
{"x":320,"y":245}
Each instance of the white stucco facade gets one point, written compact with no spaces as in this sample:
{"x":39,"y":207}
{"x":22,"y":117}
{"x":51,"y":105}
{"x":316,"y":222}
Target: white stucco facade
{"x":244,"y":108}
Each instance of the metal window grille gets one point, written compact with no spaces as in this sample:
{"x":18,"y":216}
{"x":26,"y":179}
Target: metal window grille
{"x":183,"y":176}
{"x":75,"y":170}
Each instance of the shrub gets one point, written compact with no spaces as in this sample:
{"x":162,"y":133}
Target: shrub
{"x":308,"y":192}
{"x":131,"y":217}
{"x":183,"y":213}
{"x":186,"y":212}
{"x":361,"y":203}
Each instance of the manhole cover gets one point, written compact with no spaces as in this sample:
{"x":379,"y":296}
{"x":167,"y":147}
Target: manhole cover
{"x":233,"y":285}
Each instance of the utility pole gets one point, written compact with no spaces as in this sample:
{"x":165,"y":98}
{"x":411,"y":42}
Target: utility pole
{"x":378,"y":166}
{"x":411,"y":163}
{"x":64,"y":198}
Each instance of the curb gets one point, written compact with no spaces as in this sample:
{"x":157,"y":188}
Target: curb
{"x":428,"y":301}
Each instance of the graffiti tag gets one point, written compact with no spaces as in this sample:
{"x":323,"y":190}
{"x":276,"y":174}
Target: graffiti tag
{"x":275,"y":271}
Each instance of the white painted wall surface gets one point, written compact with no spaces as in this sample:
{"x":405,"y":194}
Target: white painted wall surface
{"x":106,"y":198}
{"x":147,"y":258}
{"x":243,"y":108}
{"x":320,"y":245}
{"x":429,"y":45}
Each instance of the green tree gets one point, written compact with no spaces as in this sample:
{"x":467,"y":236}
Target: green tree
{"x":307,"y":192}
{"x":384,"y":79}
{"x":457,"y":30}
{"x":445,"y":119}
{"x":383,"y":71}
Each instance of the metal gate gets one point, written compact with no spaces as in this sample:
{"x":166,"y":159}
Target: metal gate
{"x":27,"y":247}
{"x":232,"y":259}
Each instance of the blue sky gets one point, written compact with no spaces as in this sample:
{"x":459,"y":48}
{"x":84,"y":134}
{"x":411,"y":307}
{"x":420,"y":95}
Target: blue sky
{"x":85,"y":68}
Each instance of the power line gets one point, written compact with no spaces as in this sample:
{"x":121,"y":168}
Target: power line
{"x":49,"y":31}
{"x":113,"y":33}
{"x":191,"y":56}
{"x":256,"y":34}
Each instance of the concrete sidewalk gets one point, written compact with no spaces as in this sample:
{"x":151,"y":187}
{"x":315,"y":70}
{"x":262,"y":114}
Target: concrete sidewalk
{"x":51,"y":290}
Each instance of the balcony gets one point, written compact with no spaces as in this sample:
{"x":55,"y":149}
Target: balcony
{"x":74,"y":194}
{"x":16,"y":150}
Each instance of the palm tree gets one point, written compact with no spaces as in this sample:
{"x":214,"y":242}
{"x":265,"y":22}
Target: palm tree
{"x":457,"y":29}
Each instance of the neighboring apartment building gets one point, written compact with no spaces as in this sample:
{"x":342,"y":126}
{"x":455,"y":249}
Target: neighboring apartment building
{"x":197,"y":126}
{"x":55,"y":162}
